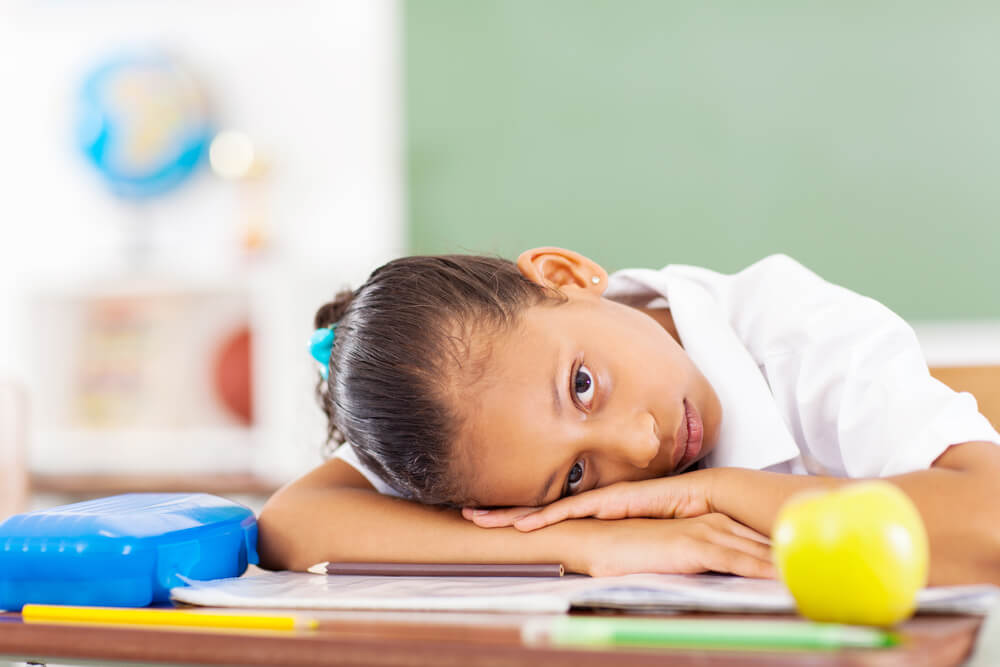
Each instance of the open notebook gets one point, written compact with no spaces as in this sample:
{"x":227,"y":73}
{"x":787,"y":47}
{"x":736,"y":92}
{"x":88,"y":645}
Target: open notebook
{"x":633,"y":592}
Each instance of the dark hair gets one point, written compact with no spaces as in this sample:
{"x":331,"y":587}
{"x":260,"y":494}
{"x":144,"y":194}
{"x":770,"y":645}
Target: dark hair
{"x":402,"y":350}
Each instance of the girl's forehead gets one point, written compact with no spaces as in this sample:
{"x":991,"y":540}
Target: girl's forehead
{"x":514,"y":383}
{"x":526,"y":357}
{"x":551,"y":319}
{"x":541,"y":334}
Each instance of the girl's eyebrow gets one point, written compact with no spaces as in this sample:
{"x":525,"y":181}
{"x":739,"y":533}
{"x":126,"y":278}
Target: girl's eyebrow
{"x":540,"y":500}
{"x":556,"y":400}
{"x":557,"y":409}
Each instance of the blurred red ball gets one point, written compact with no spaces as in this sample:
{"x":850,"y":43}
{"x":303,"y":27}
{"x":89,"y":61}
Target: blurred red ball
{"x":232,"y":376}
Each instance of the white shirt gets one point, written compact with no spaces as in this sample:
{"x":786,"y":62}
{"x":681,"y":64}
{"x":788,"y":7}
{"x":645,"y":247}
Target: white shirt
{"x":812,"y":378}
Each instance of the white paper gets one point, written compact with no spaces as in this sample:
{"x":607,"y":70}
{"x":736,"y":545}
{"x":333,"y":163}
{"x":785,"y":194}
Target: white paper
{"x":302,"y":590}
{"x":636,"y":592}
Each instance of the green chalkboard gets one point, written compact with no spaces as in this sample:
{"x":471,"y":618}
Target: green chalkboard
{"x":862,"y":138}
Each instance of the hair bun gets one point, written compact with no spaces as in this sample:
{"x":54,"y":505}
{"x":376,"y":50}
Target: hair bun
{"x":330,"y":313}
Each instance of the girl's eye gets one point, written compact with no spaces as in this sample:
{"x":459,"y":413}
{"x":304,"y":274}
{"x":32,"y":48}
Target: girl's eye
{"x":583,"y":385}
{"x":575,"y":475}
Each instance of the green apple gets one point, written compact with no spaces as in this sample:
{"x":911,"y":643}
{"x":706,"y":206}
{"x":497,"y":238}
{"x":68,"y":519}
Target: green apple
{"x":857,"y":554}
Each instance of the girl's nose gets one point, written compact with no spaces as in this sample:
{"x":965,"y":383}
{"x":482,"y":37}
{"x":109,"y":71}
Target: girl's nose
{"x":638,"y":442}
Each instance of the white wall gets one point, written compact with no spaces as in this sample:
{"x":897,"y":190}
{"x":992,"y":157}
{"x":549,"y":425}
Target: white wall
{"x":315,"y":83}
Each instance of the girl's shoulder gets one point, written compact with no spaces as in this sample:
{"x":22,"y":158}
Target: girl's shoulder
{"x":346,"y":453}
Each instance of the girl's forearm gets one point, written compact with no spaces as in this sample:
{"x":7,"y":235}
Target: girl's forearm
{"x":307,"y":526}
{"x":753,"y":497}
{"x":958,"y":508}
{"x":304,"y":525}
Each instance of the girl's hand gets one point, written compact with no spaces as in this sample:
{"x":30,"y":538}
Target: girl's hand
{"x":711,"y":542}
{"x":683,"y":496}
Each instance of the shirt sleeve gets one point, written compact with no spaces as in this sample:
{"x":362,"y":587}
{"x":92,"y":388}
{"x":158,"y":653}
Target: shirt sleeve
{"x":346,"y":453}
{"x":848,"y":373}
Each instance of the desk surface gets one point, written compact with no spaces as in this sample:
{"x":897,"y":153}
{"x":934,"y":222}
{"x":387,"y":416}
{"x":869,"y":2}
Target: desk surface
{"x":387,"y":639}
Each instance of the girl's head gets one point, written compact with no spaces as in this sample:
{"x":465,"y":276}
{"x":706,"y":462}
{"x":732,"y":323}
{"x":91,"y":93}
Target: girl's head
{"x":468,"y":380}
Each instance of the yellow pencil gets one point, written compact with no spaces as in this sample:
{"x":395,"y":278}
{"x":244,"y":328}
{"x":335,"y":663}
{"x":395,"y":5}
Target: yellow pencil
{"x":45,"y":613}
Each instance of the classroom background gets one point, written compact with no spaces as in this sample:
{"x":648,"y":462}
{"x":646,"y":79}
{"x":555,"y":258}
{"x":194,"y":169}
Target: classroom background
{"x":182,"y":184}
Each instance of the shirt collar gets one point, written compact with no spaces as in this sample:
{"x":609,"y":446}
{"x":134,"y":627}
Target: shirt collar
{"x":752,"y":434}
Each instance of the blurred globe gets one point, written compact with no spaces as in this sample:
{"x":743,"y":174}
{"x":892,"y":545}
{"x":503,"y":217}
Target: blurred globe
{"x":144,"y":124}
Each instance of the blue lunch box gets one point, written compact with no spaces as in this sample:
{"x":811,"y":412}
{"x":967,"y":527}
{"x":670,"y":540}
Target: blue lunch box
{"x":122,"y":551}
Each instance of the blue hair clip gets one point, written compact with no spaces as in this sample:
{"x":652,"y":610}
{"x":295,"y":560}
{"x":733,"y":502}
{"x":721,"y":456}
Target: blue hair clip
{"x":321,"y":346}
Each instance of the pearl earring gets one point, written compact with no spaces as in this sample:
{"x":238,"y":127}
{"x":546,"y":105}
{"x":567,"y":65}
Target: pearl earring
{"x":595,"y":279}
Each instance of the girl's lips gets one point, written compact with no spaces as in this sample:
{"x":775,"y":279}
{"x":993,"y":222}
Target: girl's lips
{"x":680,"y":441}
{"x":693,"y":433}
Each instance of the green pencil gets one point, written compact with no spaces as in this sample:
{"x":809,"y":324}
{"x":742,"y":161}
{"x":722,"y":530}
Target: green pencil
{"x":702,"y":633}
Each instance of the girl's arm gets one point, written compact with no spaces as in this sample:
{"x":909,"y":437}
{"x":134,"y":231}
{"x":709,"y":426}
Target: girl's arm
{"x":956,"y":497}
{"x":333,"y":514}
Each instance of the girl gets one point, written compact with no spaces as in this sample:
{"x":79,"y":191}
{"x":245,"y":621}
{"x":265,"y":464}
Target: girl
{"x":650,"y":422}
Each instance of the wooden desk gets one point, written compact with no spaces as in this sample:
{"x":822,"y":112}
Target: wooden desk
{"x":387,"y":639}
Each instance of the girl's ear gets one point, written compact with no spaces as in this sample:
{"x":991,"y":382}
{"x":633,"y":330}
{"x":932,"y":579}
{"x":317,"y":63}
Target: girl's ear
{"x":563,"y":269}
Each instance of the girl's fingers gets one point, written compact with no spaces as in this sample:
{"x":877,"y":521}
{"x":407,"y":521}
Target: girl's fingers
{"x":735,"y":542}
{"x":734,"y":561}
{"x":730,"y":532}
{"x":610,"y":502}
{"x":655,"y":498}
{"x":749,"y":533}
{"x":727,"y":523}
{"x":576,"y":507}
{"x":617,"y":501}
{"x":496,"y":518}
